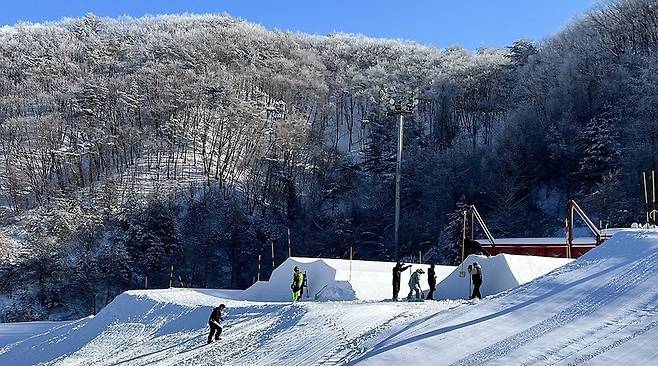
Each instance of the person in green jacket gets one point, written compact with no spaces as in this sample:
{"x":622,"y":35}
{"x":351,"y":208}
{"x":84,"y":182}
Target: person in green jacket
{"x":297,"y":282}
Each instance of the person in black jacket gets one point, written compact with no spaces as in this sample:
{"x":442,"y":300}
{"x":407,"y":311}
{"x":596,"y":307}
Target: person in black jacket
{"x":214,"y":323}
{"x":476,"y":275}
{"x":431,"y":280}
{"x":397,"y":272}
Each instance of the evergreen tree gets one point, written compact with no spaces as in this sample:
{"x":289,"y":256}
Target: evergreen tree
{"x":601,"y":150}
{"x":449,"y":249}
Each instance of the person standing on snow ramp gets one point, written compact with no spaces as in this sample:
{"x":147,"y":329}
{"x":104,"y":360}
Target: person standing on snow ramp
{"x":431,"y":280}
{"x":397,"y":272}
{"x":476,"y":275}
{"x":297,"y":283}
{"x":414,"y":284}
{"x":214,"y":323}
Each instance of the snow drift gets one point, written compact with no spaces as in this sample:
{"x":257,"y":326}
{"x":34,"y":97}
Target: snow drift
{"x":500,"y":273}
{"x":338,"y":279}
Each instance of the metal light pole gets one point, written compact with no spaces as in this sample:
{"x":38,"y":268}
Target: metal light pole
{"x":394,"y":106}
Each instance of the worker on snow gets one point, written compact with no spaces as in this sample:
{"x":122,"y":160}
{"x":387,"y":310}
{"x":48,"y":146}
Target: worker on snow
{"x":296,"y":286}
{"x":214,"y":323}
{"x":476,"y":275}
{"x":304,"y":284}
{"x":474,"y":247}
{"x":431,"y":280}
{"x":397,"y":272}
{"x":414,"y":284}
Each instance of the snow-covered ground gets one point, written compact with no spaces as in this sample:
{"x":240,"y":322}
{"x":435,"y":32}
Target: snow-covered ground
{"x":599,"y":309}
{"x":13,"y":332}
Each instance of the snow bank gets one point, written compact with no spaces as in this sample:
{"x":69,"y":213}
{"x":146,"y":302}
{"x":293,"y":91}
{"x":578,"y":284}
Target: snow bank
{"x":337,"y":279}
{"x":500,"y":273}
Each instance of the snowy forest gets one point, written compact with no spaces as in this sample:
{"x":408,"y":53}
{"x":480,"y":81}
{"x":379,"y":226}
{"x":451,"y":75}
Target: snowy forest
{"x":129,"y":147}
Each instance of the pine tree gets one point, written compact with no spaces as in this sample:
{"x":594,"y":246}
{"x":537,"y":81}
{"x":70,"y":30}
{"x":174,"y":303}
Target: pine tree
{"x":601,"y":150}
{"x":449,"y":243}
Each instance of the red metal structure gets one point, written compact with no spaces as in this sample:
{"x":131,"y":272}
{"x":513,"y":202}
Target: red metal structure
{"x":568,"y":247}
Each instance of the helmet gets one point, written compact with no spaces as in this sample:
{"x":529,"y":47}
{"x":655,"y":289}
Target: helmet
{"x":222,"y":306}
{"x":296,"y":269}
{"x":420,"y":270}
{"x":475,"y":264}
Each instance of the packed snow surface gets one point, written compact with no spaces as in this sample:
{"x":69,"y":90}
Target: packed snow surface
{"x":598,"y":310}
{"x":500,"y":273}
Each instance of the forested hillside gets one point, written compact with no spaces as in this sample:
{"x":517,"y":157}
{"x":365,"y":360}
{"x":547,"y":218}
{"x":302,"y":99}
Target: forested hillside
{"x":129,"y":146}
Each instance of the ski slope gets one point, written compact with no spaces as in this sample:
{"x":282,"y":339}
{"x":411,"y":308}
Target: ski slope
{"x":598,"y":310}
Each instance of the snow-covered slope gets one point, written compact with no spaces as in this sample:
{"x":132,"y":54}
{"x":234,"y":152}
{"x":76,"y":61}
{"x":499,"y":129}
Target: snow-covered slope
{"x":600,"y":309}
{"x":500,"y":273}
{"x":338,"y":279}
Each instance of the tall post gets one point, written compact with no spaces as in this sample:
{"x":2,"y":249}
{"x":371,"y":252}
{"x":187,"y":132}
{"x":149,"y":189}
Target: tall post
{"x":258,"y":273}
{"x":171,"y":276}
{"x":569,"y":227}
{"x":398,"y":169}
{"x":272,"y":244}
{"x":289,"y":244}
{"x":472,"y":222}
{"x":646,"y":197}
{"x":653,"y":196}
{"x":350,"y":262}
{"x":420,"y":257}
{"x":461,"y":272}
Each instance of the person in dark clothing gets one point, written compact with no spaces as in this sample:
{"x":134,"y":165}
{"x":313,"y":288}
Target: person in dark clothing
{"x":476,"y":275}
{"x":397,"y":272}
{"x":304,"y":284}
{"x":214,"y":323}
{"x":431,"y":280}
{"x":474,"y":247}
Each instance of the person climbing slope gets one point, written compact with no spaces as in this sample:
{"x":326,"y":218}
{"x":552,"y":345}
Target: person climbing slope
{"x":296,"y":286}
{"x":414,"y":284}
{"x":476,"y":275}
{"x":397,"y":272}
{"x":431,"y":280}
{"x":214,"y":323}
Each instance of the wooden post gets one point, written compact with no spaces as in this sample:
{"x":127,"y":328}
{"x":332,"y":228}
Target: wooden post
{"x":350,"y":262}
{"x":646,"y":198}
{"x":171,"y":276}
{"x":289,"y":244}
{"x":258,"y":274}
{"x":472,"y":223}
{"x":461,"y":272}
{"x":569,"y":227}
{"x":653,"y":196}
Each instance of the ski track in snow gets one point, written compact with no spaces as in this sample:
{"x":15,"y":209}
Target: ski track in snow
{"x":600,"y":310}
{"x":591,"y":300}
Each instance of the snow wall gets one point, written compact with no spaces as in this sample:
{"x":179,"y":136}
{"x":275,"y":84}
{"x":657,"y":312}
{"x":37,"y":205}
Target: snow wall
{"x":367,"y":280}
{"x":500,"y":273}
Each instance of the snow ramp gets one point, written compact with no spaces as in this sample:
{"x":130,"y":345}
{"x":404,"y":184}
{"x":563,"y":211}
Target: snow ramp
{"x":500,"y":273}
{"x":601,"y":309}
{"x":338,"y":279}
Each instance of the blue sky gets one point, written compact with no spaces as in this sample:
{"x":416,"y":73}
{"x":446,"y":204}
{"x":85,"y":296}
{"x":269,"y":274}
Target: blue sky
{"x":470,"y":23}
